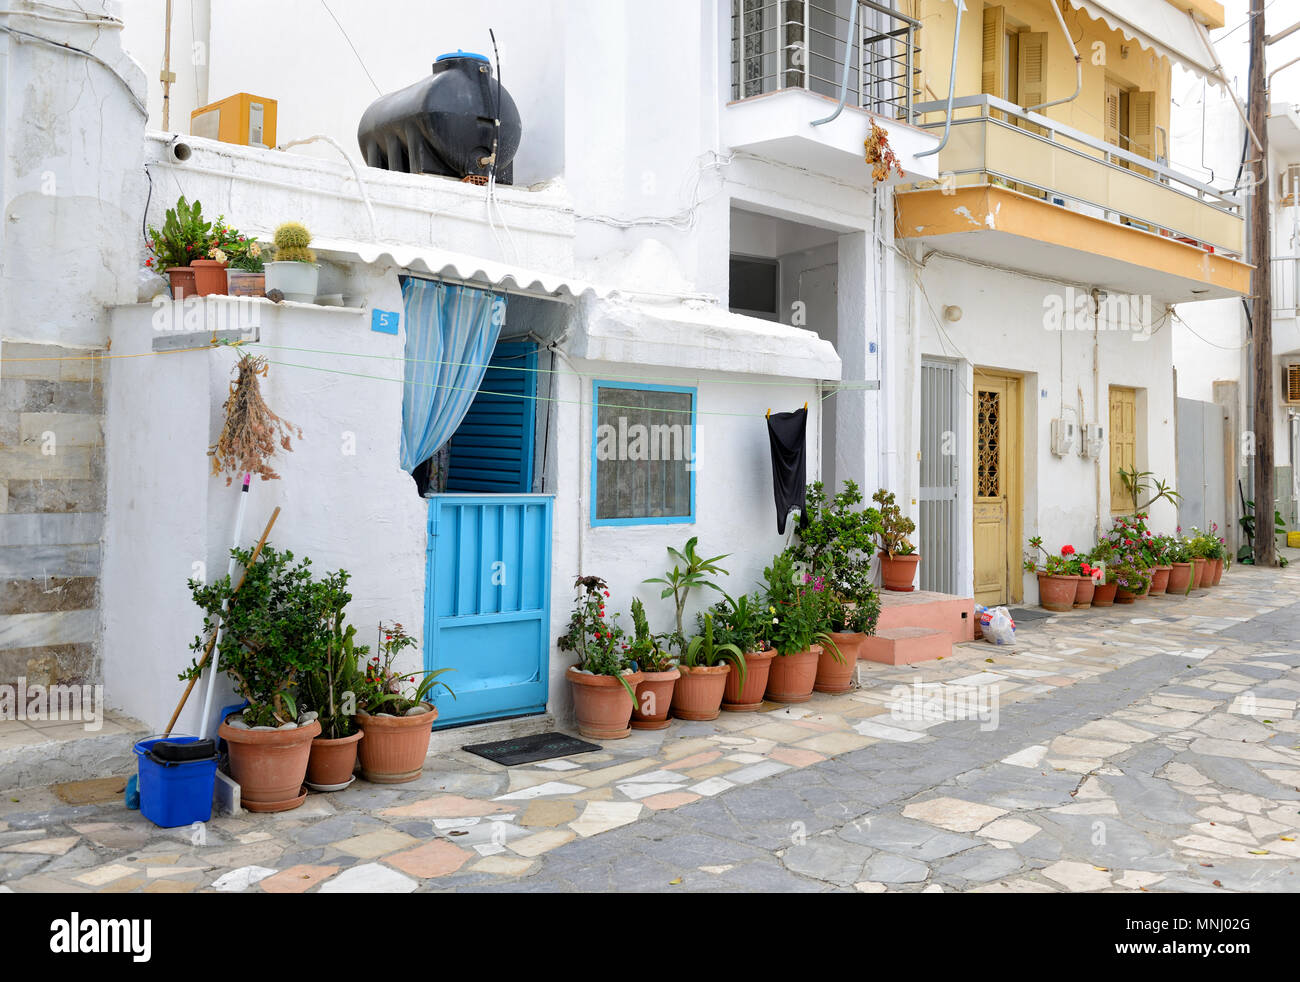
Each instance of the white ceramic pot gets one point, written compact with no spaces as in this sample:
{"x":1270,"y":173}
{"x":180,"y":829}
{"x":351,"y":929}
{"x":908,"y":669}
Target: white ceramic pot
{"x":297,"y":281}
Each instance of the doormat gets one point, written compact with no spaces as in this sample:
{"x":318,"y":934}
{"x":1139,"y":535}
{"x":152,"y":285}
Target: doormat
{"x":1026,"y":614}
{"x":525,"y":750}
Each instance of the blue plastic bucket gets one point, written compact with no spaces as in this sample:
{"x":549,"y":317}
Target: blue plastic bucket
{"x":175,"y":793}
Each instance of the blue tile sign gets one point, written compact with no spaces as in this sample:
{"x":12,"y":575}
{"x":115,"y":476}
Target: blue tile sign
{"x":384,"y":321}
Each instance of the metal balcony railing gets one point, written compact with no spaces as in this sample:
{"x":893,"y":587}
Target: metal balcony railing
{"x":1286,"y":286}
{"x":993,"y":141}
{"x":799,"y":44}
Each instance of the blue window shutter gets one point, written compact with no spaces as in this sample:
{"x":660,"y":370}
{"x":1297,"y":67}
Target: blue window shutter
{"x":492,"y":451}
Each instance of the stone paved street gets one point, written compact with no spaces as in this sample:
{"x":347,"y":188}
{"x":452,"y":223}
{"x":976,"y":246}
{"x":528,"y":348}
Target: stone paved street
{"x":1151,"y":747}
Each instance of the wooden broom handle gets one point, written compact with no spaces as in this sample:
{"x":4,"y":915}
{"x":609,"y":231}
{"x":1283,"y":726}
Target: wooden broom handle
{"x":207,"y":652}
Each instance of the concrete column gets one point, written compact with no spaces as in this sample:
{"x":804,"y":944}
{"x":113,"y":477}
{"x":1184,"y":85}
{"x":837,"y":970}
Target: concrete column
{"x":857,"y":422}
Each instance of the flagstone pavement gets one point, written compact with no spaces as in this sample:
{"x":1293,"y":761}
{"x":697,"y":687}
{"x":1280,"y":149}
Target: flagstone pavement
{"x":1152,"y":747}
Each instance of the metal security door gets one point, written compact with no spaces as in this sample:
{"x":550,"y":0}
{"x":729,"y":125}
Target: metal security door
{"x":487,"y":607}
{"x":1201,"y":466}
{"x":938,"y":491}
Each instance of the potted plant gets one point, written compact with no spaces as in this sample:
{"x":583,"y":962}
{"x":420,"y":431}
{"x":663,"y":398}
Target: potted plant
{"x":1161,"y":568}
{"x":183,"y":238}
{"x":654,"y":693}
{"x":851,"y":622}
{"x":798,"y":630}
{"x":330,"y":693}
{"x":1201,"y":546}
{"x":1081,"y":569}
{"x":898,"y":557}
{"x":739,"y":621}
{"x":1218,"y":553}
{"x":1057,"y":586}
{"x":270,"y":640}
{"x":1104,"y":576}
{"x":689,"y":571}
{"x":246,"y":266}
{"x":1179,"y":554}
{"x":294,"y":271}
{"x":705,"y":665}
{"x":603,"y":683}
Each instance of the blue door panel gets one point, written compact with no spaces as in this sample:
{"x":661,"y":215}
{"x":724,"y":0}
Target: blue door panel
{"x":488,"y":606}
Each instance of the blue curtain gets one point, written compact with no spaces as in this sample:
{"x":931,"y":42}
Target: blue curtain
{"x":450,"y":334}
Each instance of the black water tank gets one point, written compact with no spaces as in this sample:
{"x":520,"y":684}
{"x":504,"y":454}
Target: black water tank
{"x":444,"y":124}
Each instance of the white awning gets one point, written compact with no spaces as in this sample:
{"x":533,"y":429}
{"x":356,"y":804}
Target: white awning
{"x":1160,"y":27}
{"x":436,"y":262}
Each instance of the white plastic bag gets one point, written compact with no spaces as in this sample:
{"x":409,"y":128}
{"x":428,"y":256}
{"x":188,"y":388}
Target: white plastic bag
{"x":998,"y":626}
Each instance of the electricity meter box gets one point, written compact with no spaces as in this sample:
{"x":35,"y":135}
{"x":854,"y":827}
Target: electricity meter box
{"x":245,"y":119}
{"x":1064,"y":433}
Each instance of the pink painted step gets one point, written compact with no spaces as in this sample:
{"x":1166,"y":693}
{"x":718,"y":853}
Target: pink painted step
{"x":927,"y":609}
{"x":904,"y":645}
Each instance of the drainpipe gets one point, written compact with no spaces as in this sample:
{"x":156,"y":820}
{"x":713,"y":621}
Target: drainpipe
{"x":1078,"y":64}
{"x":848,"y":61}
{"x":167,"y":76}
{"x":952,"y":82}
{"x":1096,"y":401}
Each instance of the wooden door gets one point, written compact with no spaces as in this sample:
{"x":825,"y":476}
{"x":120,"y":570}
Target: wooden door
{"x":1123,"y":445}
{"x":997,"y":505}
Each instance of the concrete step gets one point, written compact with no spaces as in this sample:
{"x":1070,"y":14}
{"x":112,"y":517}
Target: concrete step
{"x":453,"y":738}
{"x":927,"y":609}
{"x":43,"y":759}
{"x":905,"y":645}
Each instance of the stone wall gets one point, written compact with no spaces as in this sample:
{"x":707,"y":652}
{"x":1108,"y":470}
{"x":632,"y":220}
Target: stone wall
{"x":52,"y":494}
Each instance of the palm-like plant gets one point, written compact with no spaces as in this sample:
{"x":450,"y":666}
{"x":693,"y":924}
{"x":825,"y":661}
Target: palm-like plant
{"x":702,"y":651}
{"x":691,"y":570}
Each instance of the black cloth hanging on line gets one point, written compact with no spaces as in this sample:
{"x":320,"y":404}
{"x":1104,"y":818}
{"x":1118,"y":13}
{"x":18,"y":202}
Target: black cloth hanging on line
{"x":787,"y":432}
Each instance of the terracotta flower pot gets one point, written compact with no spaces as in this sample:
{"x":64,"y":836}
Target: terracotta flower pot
{"x":332,"y":761}
{"x":654,"y":697}
{"x":699,"y":691}
{"x":269,"y":765}
{"x":181,"y":279}
{"x":209,"y":277}
{"x":1180,"y":578}
{"x":393,"y":748}
{"x":245,"y":283}
{"x":743,"y":698}
{"x":898,"y":572}
{"x":792,"y":677}
{"x":1057,"y":592}
{"x":602,"y":705}
{"x":1123,"y":596}
{"x":1160,"y":579}
{"x":1198,"y":574}
{"x":1084,"y":592}
{"x":831,"y":675}
{"x":1218,"y":572}
{"x":1104,"y":594}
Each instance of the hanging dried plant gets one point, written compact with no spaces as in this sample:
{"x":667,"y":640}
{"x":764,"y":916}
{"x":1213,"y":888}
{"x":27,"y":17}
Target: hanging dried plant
{"x":252,"y":431}
{"x":880,"y":155}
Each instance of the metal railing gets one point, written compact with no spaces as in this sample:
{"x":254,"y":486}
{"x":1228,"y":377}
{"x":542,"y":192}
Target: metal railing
{"x":1286,"y":286}
{"x":995,"y":141}
{"x":799,"y":44}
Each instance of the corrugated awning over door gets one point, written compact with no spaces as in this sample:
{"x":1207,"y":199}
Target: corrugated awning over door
{"x":1159,"y":27}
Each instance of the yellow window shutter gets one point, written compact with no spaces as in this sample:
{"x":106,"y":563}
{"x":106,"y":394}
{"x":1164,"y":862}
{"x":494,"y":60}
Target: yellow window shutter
{"x":1112,"y":113}
{"x":1031,"y":77}
{"x":994,"y":53}
{"x":1142,"y":123}
{"x":1293,"y":381}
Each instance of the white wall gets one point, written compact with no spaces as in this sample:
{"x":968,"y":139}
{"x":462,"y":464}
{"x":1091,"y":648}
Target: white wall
{"x":1066,"y":499}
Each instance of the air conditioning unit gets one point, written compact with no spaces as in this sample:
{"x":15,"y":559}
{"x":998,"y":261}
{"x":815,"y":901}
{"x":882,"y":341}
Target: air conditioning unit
{"x":1064,"y":433}
{"x":1291,"y":383}
{"x":1094,"y":438}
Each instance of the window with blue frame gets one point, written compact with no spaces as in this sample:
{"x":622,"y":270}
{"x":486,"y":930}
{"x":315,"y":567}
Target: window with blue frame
{"x":643,"y":454}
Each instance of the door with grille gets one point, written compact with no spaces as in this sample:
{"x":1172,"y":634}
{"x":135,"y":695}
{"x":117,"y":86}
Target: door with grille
{"x":938,"y":489}
{"x":997,"y":505}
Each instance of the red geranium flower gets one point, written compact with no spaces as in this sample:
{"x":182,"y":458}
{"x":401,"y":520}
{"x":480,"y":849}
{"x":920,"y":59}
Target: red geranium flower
{"x":1067,"y":550}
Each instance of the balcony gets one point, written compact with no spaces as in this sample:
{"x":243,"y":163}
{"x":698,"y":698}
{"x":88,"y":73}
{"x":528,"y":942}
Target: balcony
{"x":1020,"y":190}
{"x":792,"y":60}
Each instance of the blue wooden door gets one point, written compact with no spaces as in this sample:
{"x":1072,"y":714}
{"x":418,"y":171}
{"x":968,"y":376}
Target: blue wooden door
{"x":488,"y":604}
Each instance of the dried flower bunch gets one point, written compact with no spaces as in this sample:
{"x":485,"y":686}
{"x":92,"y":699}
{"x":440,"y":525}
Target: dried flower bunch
{"x":252,"y":432}
{"x":880,"y":155}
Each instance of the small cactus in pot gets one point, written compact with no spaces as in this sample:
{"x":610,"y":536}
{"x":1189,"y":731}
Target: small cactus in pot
{"x":294,"y":272}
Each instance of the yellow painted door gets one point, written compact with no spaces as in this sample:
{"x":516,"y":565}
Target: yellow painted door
{"x":996,"y":523}
{"x":1123,"y":445}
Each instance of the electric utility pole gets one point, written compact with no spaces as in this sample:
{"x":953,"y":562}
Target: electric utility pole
{"x":1262,"y":306}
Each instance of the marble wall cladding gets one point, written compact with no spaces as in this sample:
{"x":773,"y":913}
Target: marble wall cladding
{"x":52,"y":492}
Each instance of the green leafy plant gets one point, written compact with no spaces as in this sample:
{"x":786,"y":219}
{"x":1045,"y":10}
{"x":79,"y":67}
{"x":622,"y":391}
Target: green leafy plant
{"x":1137,"y":483}
{"x":740,"y":621}
{"x":1053,"y":565}
{"x":597,"y":640}
{"x":799,"y":607}
{"x":291,"y":242}
{"x":234,"y":248}
{"x":384,"y":689}
{"x":274,"y":634}
{"x":332,"y":690}
{"x":1246,"y":554}
{"x":691,"y":570}
{"x":704,"y":651}
{"x":644,"y":650}
{"x":895,"y":527}
{"x":183,"y":238}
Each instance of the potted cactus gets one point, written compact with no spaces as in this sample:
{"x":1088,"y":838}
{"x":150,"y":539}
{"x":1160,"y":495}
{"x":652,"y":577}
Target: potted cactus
{"x":294,"y":271}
